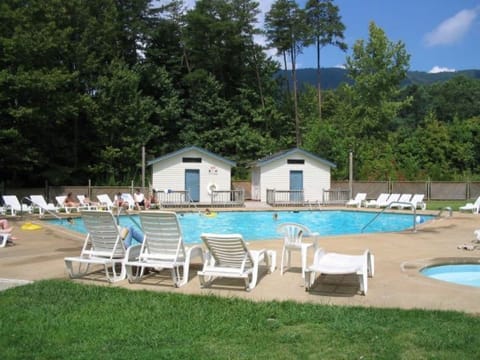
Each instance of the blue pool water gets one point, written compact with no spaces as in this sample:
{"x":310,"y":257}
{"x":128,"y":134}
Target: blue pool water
{"x":463,"y":274}
{"x":261,"y":225}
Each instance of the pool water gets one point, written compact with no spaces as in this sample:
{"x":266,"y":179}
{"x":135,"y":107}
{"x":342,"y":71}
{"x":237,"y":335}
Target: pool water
{"x":261,"y":225}
{"x":463,"y":274}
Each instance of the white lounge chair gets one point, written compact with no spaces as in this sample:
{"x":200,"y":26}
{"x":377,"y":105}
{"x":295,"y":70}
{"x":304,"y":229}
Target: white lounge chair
{"x":404,"y":198}
{"x":416,"y":202}
{"x":39,"y":202}
{"x":68,"y":209}
{"x":341,"y":264}
{"x":83,"y":203}
{"x":293,"y":236}
{"x":163,"y":247}
{"x":105,"y":201}
{"x":381,"y":199}
{"x":228,"y":256}
{"x":13,"y":206}
{"x":357,"y":201}
{"x":103,"y":246}
{"x":473,"y":207}
{"x":392,"y":198}
{"x":128,"y":198}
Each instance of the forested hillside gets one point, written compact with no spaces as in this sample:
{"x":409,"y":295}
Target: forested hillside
{"x":84,"y":85}
{"x":332,"y":78}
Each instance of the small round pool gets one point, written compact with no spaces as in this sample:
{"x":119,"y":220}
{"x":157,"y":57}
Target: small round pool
{"x":462,"y":274}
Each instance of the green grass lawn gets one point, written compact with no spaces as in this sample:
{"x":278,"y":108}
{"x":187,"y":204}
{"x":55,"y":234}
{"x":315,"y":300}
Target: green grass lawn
{"x":442,"y":204}
{"x":58,"y":319}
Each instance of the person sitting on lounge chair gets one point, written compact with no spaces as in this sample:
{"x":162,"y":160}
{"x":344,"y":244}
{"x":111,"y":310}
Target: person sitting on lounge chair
{"x":119,"y":202}
{"x":5,"y":226}
{"x":140,"y":200}
{"x":70,"y":201}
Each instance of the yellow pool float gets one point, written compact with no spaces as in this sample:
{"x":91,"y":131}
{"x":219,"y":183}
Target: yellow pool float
{"x":30,"y":226}
{"x":211,"y":214}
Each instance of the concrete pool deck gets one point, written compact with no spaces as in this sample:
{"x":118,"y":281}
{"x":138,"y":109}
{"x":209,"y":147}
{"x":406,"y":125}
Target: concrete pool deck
{"x":38,"y":255}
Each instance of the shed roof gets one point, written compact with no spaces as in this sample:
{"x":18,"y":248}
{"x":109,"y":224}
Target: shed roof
{"x":290,"y":152}
{"x":190,"y":148}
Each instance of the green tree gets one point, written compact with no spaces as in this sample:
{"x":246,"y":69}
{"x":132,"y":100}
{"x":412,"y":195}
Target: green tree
{"x":287,"y":31}
{"x":326,"y":28}
{"x":377,"y":68}
{"x":123,"y":125}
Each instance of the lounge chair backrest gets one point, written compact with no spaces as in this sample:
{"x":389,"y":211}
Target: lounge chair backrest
{"x":405,"y":198}
{"x":293,"y":233}
{"x":81,"y":199}
{"x":393,"y":198}
{"x":477,"y":202}
{"x":12,"y":202}
{"x":383,"y":197}
{"x":361,"y":196}
{"x":228,"y":250}
{"x":127,"y":197}
{"x":103,"y":233}
{"x":39,"y":200}
{"x":417,"y":198}
{"x":163,"y":235}
{"x":105,"y":200}
{"x":60,"y":200}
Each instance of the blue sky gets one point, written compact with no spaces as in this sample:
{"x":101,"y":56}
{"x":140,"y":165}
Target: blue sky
{"x":439,"y":35}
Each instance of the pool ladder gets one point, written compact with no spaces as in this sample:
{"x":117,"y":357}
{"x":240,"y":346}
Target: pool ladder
{"x":396,"y":203}
{"x":447,"y":208}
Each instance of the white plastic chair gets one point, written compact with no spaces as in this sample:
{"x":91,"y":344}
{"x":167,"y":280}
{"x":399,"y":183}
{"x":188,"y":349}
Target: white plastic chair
{"x":293,"y":235}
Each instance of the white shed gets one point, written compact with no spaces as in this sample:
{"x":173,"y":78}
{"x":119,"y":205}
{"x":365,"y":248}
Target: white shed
{"x":192,"y":169}
{"x":289,"y":170}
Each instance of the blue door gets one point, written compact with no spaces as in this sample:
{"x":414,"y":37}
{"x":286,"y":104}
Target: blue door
{"x":192,"y":184}
{"x":296,"y":185}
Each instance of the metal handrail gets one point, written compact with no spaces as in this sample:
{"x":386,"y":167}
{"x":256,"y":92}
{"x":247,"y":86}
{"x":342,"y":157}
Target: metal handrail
{"x":447,"y":208}
{"x":396,"y":203}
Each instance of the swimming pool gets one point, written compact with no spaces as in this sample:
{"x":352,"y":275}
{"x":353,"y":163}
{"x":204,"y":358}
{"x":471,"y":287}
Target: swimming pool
{"x":463,"y":274}
{"x":261,"y":225}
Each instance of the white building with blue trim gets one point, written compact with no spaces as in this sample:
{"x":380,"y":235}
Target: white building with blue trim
{"x":291,"y":170}
{"x":192,"y":169}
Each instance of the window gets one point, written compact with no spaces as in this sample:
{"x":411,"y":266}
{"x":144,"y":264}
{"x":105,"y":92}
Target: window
{"x":295,"y":161}
{"x":191,"y":160}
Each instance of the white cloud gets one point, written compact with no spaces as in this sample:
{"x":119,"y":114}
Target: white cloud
{"x":439,"y":69}
{"x":452,"y":29}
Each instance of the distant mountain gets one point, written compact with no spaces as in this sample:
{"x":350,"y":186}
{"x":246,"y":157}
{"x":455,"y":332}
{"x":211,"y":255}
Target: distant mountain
{"x":331,"y":78}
